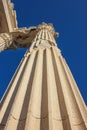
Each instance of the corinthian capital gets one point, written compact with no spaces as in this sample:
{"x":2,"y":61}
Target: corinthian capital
{"x":5,"y":41}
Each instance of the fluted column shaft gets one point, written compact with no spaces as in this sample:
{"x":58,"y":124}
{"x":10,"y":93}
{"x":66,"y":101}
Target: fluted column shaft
{"x":43,"y":94}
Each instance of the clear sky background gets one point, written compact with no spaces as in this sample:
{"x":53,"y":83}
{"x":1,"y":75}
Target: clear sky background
{"x":70,"y":20}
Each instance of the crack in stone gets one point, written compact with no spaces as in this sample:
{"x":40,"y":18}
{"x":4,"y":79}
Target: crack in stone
{"x":78,"y":124}
{"x":40,"y":117}
{"x":18,"y":119}
{"x":2,"y":125}
{"x":62,"y":119}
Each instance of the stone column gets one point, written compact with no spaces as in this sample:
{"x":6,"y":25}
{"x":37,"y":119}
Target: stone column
{"x":43,"y":95}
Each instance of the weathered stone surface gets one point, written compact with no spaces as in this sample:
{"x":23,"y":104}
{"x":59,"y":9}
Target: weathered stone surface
{"x":42,"y":94}
{"x":8,"y":20}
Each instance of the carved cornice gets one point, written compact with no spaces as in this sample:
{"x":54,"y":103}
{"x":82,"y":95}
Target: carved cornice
{"x":23,"y":37}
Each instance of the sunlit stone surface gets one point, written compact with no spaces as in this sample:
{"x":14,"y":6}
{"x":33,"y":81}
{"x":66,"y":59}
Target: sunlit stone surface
{"x":43,"y":94}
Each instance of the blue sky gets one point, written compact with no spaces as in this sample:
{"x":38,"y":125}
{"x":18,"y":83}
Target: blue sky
{"x":70,"y":20}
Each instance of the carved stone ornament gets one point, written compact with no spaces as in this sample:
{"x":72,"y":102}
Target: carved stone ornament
{"x":8,"y":21}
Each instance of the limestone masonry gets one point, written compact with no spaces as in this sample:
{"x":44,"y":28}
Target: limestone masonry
{"x":42,"y":94}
